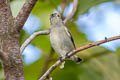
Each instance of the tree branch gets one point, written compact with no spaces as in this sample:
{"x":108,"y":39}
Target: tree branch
{"x":75,"y":3}
{"x":9,"y":44}
{"x":46,"y":32}
{"x":24,"y":13}
{"x":74,"y":52}
{"x":48,"y":60}
{"x":22,"y":16}
{"x":63,"y":5}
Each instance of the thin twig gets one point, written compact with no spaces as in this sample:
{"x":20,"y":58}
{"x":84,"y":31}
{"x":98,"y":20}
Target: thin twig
{"x":46,"y":32}
{"x":24,"y":13}
{"x":75,"y":3}
{"x":47,"y":62}
{"x":63,"y":5}
{"x":74,"y":52}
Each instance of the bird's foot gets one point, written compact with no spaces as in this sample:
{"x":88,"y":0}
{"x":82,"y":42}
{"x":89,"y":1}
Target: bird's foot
{"x":60,"y":59}
{"x":67,"y":54}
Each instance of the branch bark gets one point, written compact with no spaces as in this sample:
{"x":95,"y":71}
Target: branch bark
{"x":9,"y":44}
{"x":74,"y":52}
{"x":75,"y":3}
{"x":46,"y":32}
{"x":24,"y":13}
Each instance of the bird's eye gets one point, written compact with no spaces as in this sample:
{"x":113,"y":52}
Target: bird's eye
{"x":58,"y":15}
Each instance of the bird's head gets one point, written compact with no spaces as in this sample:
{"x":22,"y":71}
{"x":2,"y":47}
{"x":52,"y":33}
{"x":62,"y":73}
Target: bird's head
{"x":55,"y":18}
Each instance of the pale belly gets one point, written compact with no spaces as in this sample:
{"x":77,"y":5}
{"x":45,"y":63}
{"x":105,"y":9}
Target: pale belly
{"x":61,"y":44}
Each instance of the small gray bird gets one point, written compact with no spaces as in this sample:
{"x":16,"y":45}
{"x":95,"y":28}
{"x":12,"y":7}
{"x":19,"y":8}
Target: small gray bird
{"x":60,"y":38}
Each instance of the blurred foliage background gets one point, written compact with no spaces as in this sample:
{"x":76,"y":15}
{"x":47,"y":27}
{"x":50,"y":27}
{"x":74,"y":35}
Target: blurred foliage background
{"x":100,"y":63}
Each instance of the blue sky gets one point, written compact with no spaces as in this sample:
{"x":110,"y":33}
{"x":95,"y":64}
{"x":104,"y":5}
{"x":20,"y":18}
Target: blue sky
{"x":31,"y":53}
{"x":101,"y":21}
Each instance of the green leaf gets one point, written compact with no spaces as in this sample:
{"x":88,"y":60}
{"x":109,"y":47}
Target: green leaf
{"x":118,"y":54}
{"x":43,"y":11}
{"x":32,"y":72}
{"x":23,"y":36}
{"x":85,"y":5}
{"x":42,"y":42}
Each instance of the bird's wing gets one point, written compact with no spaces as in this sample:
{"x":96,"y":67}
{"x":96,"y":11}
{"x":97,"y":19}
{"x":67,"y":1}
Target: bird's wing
{"x":69,"y":34}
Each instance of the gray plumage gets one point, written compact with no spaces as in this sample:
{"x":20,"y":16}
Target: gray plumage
{"x":60,"y":37}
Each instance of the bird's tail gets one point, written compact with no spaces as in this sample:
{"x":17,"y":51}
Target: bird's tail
{"x":76,"y":58}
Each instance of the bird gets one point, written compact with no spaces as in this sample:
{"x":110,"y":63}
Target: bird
{"x":61,"y":38}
